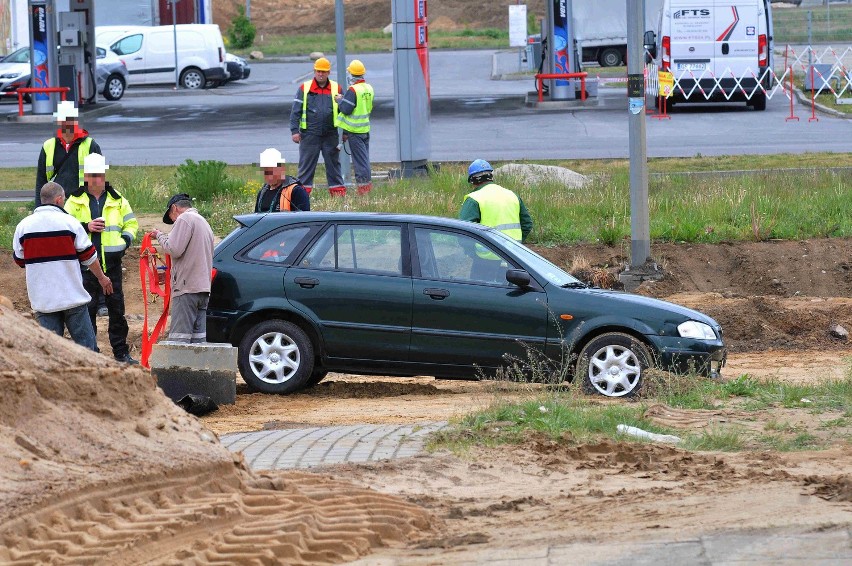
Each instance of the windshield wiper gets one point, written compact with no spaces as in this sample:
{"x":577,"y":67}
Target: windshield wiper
{"x":574,"y":285}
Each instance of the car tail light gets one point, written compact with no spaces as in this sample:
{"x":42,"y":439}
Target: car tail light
{"x":666,"y":55}
{"x":762,"y":50}
{"x":213,"y":273}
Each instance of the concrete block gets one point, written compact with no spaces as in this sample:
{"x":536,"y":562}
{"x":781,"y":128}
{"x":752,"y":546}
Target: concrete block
{"x":208,"y":369}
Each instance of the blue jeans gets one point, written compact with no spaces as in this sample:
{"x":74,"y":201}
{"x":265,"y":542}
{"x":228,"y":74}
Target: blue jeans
{"x":77,"y":321}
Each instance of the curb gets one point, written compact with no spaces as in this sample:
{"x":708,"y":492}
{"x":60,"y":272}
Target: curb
{"x":805,"y":100}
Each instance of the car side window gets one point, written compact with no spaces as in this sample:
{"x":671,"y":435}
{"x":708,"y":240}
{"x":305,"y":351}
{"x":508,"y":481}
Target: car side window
{"x":277,"y":247}
{"x":451,"y":256}
{"x":128,"y":45}
{"x":358,"y":247}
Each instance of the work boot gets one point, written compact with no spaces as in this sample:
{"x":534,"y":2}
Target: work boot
{"x":103,"y":311}
{"x":126,"y":359}
{"x":338,"y":191}
{"x":364,"y":189}
{"x":308,"y":188}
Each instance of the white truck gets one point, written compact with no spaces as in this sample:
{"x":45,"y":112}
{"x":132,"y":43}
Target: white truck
{"x":600,"y":29}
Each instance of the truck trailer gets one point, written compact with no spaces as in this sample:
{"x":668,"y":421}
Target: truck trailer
{"x":600,"y":29}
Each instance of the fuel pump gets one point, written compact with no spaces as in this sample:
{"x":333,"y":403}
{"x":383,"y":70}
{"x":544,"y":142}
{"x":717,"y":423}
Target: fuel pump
{"x":77,"y":51}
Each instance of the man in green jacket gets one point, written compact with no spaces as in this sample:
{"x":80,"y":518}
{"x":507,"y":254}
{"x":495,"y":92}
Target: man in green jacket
{"x":109,"y":221}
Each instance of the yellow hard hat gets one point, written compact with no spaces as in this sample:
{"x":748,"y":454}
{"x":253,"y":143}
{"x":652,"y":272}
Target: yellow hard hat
{"x":322,"y":64}
{"x":356,"y":67}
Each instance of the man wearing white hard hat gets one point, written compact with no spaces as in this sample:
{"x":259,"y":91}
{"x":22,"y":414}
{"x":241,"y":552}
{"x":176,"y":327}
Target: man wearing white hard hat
{"x":280,"y":192}
{"x":109,"y":221}
{"x":61,"y":158}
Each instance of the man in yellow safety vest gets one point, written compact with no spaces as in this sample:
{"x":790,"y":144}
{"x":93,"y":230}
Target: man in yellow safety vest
{"x":313,"y":125}
{"x":354,"y":119}
{"x":61,"y":158}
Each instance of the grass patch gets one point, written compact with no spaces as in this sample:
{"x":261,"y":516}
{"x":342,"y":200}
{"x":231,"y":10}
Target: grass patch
{"x":828,"y":24}
{"x":787,"y":197}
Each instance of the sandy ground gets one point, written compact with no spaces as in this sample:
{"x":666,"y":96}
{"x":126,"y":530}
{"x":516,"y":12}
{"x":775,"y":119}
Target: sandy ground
{"x":97,"y":466}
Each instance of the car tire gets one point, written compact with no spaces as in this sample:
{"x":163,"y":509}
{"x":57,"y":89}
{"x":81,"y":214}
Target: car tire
{"x":193,"y":78}
{"x":758,"y":102}
{"x":612,"y":364}
{"x":114,"y":87}
{"x":610,"y":57}
{"x":317,"y":376}
{"x":276,"y":356}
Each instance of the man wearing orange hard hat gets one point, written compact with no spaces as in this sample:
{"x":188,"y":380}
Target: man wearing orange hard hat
{"x":313,"y":125}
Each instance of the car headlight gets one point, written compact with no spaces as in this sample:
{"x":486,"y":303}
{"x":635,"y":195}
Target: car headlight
{"x":10,"y":76}
{"x":695,"y":329}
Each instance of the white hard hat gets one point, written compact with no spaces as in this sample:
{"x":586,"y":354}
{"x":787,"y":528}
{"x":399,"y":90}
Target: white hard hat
{"x":271,"y":158}
{"x":94,"y":164}
{"x":64,"y":110}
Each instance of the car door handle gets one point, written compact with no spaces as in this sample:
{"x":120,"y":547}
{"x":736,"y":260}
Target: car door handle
{"x":437,"y":294}
{"x":306,"y":282}
{"x":137,"y":58}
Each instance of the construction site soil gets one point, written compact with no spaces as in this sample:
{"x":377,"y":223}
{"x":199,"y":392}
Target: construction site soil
{"x":98,"y":466}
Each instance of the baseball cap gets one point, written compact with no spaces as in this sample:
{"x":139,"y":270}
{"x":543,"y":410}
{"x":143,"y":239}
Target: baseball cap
{"x":173,"y":200}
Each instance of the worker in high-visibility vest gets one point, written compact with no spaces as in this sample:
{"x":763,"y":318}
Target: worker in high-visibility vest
{"x":109,"y":221}
{"x":495,"y":206}
{"x":313,"y":125}
{"x":61,"y":158}
{"x":280,"y":192}
{"x":354,"y":119}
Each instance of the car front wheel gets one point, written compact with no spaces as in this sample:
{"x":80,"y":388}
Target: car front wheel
{"x":114,"y":88}
{"x":192,"y":79}
{"x":612,"y":364}
{"x":276,"y":356}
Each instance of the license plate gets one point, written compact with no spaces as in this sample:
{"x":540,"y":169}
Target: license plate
{"x":691,"y":66}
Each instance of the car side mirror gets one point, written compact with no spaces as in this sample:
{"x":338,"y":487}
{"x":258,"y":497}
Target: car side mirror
{"x":650,"y":42}
{"x":518,"y":277}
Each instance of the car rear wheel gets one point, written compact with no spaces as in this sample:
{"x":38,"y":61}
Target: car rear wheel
{"x":612,"y":364}
{"x":114,"y":87}
{"x":276,"y":356}
{"x":193,"y":79}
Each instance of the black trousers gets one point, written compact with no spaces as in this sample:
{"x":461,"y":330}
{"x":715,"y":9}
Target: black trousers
{"x":115,"y":305}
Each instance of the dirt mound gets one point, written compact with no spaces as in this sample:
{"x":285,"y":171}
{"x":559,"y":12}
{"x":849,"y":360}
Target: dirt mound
{"x":302,"y":16}
{"x":99,"y":466}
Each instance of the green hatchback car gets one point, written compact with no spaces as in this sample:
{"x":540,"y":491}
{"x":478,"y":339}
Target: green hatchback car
{"x":390,"y":294}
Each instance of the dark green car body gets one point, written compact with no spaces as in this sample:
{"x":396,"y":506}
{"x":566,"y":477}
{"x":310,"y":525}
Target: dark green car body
{"x":302,"y":294}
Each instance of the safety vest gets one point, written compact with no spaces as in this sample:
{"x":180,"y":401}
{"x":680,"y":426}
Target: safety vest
{"x":306,"y":87}
{"x":359,"y":121}
{"x":50,"y":148}
{"x":118,"y":219}
{"x":499,"y":208}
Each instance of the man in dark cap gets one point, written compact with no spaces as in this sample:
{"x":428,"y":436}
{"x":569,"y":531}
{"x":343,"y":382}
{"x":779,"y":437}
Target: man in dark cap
{"x":190,"y":245}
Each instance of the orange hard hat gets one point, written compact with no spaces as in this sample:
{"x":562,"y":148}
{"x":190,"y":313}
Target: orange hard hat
{"x":322,"y":64}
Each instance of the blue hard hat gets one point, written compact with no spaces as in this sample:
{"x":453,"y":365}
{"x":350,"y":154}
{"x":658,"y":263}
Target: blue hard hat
{"x":479,"y":166}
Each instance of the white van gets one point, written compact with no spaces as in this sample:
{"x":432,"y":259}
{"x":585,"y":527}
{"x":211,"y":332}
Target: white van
{"x":717,"y":50}
{"x":149,"y":53}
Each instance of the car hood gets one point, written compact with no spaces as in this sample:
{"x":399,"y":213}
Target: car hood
{"x":23,"y":68}
{"x":640,"y":305}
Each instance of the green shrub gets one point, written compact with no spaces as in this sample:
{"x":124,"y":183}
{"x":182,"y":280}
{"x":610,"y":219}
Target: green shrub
{"x":205,"y":179}
{"x":241,"y":32}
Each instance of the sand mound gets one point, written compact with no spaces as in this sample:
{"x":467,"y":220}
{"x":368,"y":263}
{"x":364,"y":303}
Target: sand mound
{"x":534,"y":173}
{"x":98,"y":465}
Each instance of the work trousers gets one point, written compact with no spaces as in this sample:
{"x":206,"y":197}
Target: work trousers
{"x":189,"y":318}
{"x":359,"y":144}
{"x":76,"y":319}
{"x":310,"y":148}
{"x":117,"y":328}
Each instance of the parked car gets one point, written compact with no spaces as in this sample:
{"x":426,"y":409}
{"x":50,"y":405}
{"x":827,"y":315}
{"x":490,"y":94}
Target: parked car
{"x":15,"y":71}
{"x":238,"y":68}
{"x":111,"y":72}
{"x":304,"y":294}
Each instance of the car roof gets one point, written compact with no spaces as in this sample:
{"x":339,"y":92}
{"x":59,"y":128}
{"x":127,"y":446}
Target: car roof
{"x":326,"y":216}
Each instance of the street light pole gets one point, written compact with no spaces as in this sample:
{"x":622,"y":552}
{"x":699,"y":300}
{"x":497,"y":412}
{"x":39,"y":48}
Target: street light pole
{"x":345,"y":161}
{"x":174,"y":29}
{"x":640,"y":238}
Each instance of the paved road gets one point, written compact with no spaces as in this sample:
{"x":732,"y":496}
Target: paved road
{"x":472,"y":116}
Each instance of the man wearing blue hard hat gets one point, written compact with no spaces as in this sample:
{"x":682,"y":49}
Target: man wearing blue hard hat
{"x":492,"y":205}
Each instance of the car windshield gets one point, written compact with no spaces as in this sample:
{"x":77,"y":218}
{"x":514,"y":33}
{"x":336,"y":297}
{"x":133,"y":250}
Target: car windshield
{"x":540,"y":265}
{"x":22,"y":55}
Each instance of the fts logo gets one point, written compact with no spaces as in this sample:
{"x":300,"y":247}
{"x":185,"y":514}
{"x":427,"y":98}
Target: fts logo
{"x":702,"y":13}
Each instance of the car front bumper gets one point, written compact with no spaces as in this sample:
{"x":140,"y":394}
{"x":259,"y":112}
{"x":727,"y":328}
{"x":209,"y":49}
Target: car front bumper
{"x":688,"y":355}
